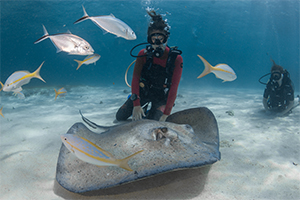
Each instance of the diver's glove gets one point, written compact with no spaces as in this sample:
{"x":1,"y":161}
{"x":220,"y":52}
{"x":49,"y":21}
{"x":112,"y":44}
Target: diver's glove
{"x":163,"y":118}
{"x":137,"y":113}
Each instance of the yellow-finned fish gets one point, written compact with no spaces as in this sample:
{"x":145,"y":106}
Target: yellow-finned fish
{"x":111,"y":24}
{"x":61,"y":92}
{"x":88,"y":152}
{"x":1,"y":112}
{"x":222,"y":71}
{"x":15,"y":81}
{"x":88,"y":60}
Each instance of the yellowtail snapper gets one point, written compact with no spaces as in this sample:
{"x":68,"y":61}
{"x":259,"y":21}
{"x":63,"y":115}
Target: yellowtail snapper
{"x":88,"y":60}
{"x":222,"y":71}
{"x":88,"y":152}
{"x":15,"y":81}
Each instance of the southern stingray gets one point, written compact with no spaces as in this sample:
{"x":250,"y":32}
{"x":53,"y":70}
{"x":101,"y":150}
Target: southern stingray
{"x":188,"y":139}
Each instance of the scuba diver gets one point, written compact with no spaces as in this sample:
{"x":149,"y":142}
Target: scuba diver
{"x":156,"y":75}
{"x":279,"y":92}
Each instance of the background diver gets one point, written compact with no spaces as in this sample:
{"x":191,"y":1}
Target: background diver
{"x":278,"y":96}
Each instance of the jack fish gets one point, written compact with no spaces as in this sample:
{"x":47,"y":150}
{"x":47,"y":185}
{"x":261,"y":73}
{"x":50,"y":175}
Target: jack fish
{"x":222,"y":71}
{"x":110,"y":24}
{"x":88,"y":60}
{"x":67,"y":42}
{"x":88,"y":152}
{"x":15,"y":81}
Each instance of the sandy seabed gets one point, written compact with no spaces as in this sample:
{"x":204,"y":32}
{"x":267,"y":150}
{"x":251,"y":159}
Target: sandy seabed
{"x":260,"y":154}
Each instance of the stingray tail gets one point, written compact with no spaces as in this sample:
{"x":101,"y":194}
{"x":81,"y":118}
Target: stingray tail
{"x":123,"y":163}
{"x":84,"y":17}
{"x":208,"y":68}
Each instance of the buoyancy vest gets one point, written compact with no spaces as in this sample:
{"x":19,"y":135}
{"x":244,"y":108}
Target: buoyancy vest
{"x":156,"y":80}
{"x":280,"y":96}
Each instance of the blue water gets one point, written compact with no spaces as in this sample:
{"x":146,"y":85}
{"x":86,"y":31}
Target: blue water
{"x":243,"y":34}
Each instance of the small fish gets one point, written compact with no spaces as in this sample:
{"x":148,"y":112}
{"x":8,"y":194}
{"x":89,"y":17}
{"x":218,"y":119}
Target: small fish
{"x":88,"y":152}
{"x":88,"y":60}
{"x":61,"y":92}
{"x":67,"y":42}
{"x":15,"y":81}
{"x":222,"y":71}
{"x":1,"y":112}
{"x":110,"y":24}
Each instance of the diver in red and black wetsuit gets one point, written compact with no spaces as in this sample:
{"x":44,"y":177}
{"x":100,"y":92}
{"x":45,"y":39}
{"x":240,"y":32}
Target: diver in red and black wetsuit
{"x":156,"y":76}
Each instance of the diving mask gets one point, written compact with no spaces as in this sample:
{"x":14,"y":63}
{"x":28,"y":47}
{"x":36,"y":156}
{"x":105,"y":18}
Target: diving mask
{"x":276,"y":75}
{"x":157,"y":38}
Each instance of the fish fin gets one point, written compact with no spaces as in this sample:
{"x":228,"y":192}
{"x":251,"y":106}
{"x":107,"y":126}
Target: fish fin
{"x":69,"y":32}
{"x":56,"y":94}
{"x":1,"y":85}
{"x":207,"y":69}
{"x":1,"y":112}
{"x":84,"y":17}
{"x":45,"y":36}
{"x":17,"y":90}
{"x":79,"y":63}
{"x":124,"y":162}
{"x":19,"y":94}
{"x":36,"y":73}
{"x":112,"y":15}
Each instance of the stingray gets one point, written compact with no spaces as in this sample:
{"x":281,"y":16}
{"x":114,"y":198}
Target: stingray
{"x":188,"y":139}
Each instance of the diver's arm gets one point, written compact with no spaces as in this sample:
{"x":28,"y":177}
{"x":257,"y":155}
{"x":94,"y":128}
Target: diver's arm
{"x":265,"y":103}
{"x":174,"y":85}
{"x":135,"y":88}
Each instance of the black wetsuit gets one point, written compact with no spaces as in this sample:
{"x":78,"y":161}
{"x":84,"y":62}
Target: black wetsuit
{"x":279,"y":97}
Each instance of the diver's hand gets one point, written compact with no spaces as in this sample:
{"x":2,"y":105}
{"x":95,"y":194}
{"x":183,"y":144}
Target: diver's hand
{"x":163,"y":118}
{"x":137,"y":113}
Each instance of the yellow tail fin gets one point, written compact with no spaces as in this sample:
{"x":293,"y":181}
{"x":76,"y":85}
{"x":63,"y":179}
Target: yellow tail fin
{"x":208,"y":67}
{"x":79,"y":63}
{"x":1,"y":112}
{"x":123,"y":162}
{"x":56,"y":94}
{"x":36,"y":74}
{"x":1,"y":85}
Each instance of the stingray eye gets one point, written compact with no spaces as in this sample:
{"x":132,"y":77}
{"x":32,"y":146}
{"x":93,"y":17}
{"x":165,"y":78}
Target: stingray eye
{"x":188,"y":126}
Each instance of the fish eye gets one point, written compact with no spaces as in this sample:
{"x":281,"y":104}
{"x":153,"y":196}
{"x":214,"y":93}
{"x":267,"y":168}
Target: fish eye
{"x":86,"y":47}
{"x":65,"y":138}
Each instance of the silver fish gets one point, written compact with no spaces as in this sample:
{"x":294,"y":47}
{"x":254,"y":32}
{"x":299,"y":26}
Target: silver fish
{"x":110,"y":24}
{"x":67,"y":42}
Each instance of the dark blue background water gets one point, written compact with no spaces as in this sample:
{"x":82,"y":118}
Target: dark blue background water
{"x":243,"y":34}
